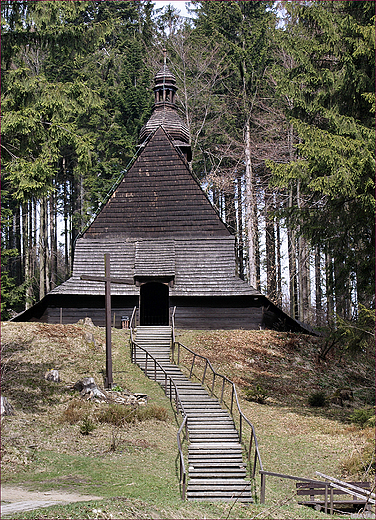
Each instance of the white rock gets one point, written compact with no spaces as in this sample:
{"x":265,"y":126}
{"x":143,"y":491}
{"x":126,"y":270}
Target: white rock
{"x":6,"y":407}
{"x":52,"y":375}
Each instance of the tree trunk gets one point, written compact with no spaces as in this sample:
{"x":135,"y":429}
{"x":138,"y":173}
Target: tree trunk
{"x":251,"y":223}
{"x":271,"y":281}
{"x":230,"y":214}
{"x":329,"y":288}
{"x":26,"y":232}
{"x":66,"y":223}
{"x":42,"y":249}
{"x":291,"y":244}
{"x":239,"y":234}
{"x":318,"y":288}
{"x":47,"y":245}
{"x":16,"y":262}
{"x":303,"y":279}
{"x":53,"y":238}
{"x":279,"y":265}
{"x":31,"y":258}
{"x":303,"y":269}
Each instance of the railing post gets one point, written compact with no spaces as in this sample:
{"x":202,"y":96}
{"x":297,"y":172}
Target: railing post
{"x":223,"y":388}
{"x":155,"y":370}
{"x":240,"y":428}
{"x":262,"y":492}
{"x":331,"y":499}
{"x":250,"y":447}
{"x":232,"y":397}
{"x":206,"y":366}
{"x":146,"y":363}
{"x":254,"y":465}
{"x":178,"y":354}
{"x":193,"y":362}
{"x":326,"y":499}
{"x":212,"y":390}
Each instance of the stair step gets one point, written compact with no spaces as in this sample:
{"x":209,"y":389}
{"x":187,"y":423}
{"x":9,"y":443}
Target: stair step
{"x":219,"y":482}
{"x":216,"y":469}
{"x":205,"y":475}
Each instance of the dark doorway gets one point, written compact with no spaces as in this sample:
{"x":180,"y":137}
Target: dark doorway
{"x":154,"y":305}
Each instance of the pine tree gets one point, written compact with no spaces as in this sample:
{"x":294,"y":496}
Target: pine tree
{"x":327,"y":89}
{"x":69,"y":127}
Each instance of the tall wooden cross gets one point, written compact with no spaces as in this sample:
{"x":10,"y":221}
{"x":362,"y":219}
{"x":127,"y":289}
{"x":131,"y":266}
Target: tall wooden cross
{"x":108,"y":280}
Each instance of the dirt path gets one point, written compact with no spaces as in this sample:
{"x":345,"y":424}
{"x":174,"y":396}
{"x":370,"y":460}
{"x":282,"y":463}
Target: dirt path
{"x":16,"y":499}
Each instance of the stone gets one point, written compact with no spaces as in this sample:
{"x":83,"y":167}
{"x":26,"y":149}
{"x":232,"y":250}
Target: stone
{"x":342,"y":395}
{"x":6,"y":407}
{"x":88,"y":387}
{"x":142,"y":399}
{"x":52,"y":375}
{"x":89,"y":337}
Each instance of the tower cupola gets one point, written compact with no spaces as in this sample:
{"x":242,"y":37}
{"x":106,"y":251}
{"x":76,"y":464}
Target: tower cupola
{"x":165,"y":112}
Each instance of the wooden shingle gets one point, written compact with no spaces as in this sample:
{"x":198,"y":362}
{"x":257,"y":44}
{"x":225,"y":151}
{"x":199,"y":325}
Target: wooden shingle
{"x":158,"y":197}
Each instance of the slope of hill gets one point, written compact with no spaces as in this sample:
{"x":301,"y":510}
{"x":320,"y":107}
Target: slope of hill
{"x":133,"y":463}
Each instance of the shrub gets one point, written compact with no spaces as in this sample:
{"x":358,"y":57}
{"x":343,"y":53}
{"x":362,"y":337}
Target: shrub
{"x":152,"y":412}
{"x":257,"y":394}
{"x":117,"y":414}
{"x":117,"y":388}
{"x":317,"y":399}
{"x":75,"y":411}
{"x":364,"y":417}
{"x":87,"y":426}
{"x":361,"y":462}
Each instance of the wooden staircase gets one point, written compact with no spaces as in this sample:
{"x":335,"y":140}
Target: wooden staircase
{"x":215,"y":463}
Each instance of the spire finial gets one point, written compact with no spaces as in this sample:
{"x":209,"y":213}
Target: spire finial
{"x":165,"y":56}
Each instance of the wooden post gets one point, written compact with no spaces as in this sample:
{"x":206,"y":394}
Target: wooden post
{"x":107,"y":274}
{"x":107,"y":280}
{"x":331,"y":499}
{"x":262,"y":493}
{"x":326,"y":499}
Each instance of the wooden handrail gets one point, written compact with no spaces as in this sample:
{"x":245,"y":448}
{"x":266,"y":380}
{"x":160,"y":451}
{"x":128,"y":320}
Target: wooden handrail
{"x":234,"y":399}
{"x":173,"y":324}
{"x":183,"y":473}
{"x":178,"y":405}
{"x":131,"y":323}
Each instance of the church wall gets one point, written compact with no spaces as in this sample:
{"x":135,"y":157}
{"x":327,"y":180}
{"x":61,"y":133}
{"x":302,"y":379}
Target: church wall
{"x":218,"y":318}
{"x":217,"y":313}
{"x":67,"y":310}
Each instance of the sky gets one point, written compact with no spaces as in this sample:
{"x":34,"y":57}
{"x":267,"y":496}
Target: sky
{"x":178,"y":4}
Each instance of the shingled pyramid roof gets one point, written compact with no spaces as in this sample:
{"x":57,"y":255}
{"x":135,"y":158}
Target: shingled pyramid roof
{"x":158,"y":196}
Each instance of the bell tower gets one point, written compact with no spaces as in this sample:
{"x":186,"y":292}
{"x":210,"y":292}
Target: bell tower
{"x":165,"y":112}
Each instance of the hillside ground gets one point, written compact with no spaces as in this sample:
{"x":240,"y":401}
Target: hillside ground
{"x":47,"y":444}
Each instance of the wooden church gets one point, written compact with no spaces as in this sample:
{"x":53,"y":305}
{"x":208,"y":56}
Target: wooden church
{"x":166,"y":239}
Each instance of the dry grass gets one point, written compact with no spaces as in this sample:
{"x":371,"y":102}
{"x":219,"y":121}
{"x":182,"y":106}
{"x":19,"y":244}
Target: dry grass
{"x":136,"y":461}
{"x":286,"y":367}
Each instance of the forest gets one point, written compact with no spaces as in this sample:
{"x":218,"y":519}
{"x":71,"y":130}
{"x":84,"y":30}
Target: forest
{"x":279,"y":100}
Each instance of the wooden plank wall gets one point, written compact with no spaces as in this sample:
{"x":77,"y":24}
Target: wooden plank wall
{"x":209,"y":318}
{"x":73,"y":315}
{"x":249,"y":318}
